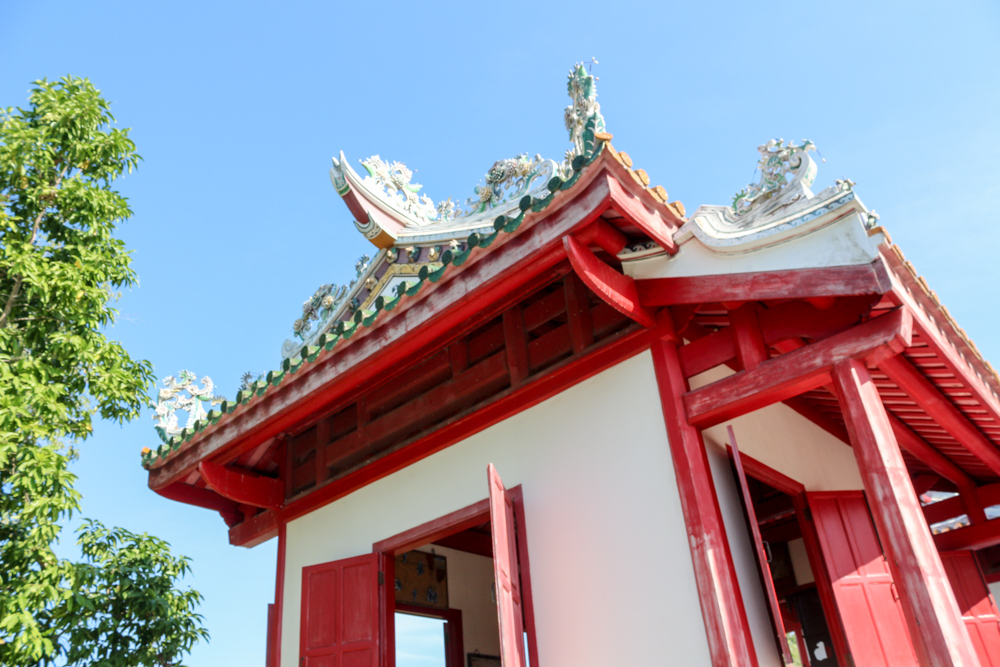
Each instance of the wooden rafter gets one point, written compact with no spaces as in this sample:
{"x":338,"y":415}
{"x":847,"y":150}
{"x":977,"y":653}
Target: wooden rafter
{"x":942,"y":410}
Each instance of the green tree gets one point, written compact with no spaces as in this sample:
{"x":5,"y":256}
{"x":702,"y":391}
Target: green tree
{"x":61,"y":269}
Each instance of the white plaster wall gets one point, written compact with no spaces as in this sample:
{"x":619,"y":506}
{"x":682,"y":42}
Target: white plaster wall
{"x":470,"y":589}
{"x":610,"y":567}
{"x":785,"y":441}
{"x":844,"y":242}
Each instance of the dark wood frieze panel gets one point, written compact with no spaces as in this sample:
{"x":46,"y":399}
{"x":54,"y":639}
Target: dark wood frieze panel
{"x":554,"y":325}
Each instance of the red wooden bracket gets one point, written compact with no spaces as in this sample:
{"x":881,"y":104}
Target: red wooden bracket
{"x":603,"y":236}
{"x":799,"y":371}
{"x":243,"y":488}
{"x":207,"y":498}
{"x":616,"y":289}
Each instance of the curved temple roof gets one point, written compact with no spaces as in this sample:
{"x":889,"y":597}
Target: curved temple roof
{"x":776,"y":225}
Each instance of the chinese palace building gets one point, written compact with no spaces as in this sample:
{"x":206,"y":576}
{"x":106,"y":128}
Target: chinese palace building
{"x":584,"y":428}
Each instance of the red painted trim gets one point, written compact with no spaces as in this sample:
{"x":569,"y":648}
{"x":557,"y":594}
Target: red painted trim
{"x":949,"y":508}
{"x":942,"y":410}
{"x":792,"y":284}
{"x":279,"y":595}
{"x":554,"y":380}
{"x":616,"y":289}
{"x":974,"y":537}
{"x":765,"y":473}
{"x":455,"y":645}
{"x":936,"y":628}
{"x":242,"y":487}
{"x":387,"y":605}
{"x":763,"y":569}
{"x":726,"y":625}
{"x":524,"y":562}
{"x":431,"y":531}
{"x":796,"y":372}
{"x":457,"y":521}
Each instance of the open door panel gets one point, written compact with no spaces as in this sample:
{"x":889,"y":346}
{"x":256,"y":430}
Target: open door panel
{"x":505,"y":570}
{"x":763,"y":569}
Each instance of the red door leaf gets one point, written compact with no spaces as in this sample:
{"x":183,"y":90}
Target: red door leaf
{"x":505,"y":569}
{"x":340,"y":623}
{"x":763,"y":568}
{"x":979,"y":611}
{"x":862,"y":584}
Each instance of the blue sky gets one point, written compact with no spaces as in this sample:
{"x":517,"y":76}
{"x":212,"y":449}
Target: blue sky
{"x":238,"y":107}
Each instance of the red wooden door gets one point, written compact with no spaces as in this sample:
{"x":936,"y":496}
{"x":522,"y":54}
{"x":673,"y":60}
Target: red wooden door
{"x":862,"y":585}
{"x":979,"y":611}
{"x":763,"y":568}
{"x":340,"y":614}
{"x":505,"y":569}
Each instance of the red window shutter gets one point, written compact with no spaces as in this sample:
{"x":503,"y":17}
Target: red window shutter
{"x":763,"y":569}
{"x":862,"y":584}
{"x":979,"y":610}
{"x":505,"y":569}
{"x":340,"y":614}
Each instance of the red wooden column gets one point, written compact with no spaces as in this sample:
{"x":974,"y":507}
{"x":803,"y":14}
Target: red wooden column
{"x":932,"y":615}
{"x":729,"y":639}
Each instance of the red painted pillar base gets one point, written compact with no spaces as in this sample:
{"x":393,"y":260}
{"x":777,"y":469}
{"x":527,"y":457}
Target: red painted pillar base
{"x":729,"y":639}
{"x":936,"y":628}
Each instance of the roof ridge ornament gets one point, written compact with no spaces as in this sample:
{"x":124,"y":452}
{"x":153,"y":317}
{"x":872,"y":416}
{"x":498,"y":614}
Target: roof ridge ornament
{"x":171,"y":398}
{"x":583,"y":117}
{"x":778,"y":161}
{"x":505,"y":182}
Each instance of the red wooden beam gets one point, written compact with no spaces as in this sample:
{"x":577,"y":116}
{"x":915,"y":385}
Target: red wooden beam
{"x":763,"y":286}
{"x":796,"y":372}
{"x":515,"y":339}
{"x":726,"y":624}
{"x":970,"y":538}
{"x":616,"y":289}
{"x":243,"y":487}
{"x":751,"y":351}
{"x":942,"y":410}
{"x":581,"y":325}
{"x":932,"y":615}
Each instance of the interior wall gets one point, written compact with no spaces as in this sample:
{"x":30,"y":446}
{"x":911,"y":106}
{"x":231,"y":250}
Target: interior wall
{"x":470,"y":589}
{"x":785,"y":441}
{"x":611,"y":569}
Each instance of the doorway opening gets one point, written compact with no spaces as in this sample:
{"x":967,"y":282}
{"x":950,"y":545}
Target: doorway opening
{"x":792,"y":571}
{"x":449,"y":602}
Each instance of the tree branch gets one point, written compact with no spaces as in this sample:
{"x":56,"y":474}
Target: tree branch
{"x":9,"y":306}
